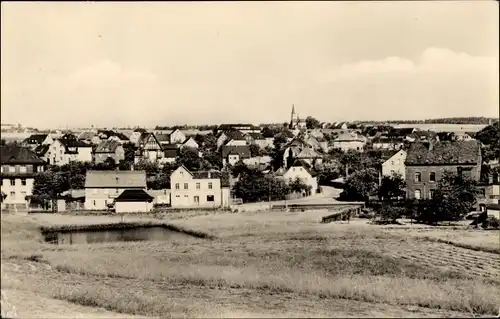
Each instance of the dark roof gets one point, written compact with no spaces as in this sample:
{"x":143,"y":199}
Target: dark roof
{"x":108,"y":146}
{"x":140,"y":130}
{"x":35,"y":139}
{"x":14,"y":154}
{"x":169,"y":146}
{"x":242,"y":150}
{"x":163,"y":137}
{"x":256,"y":136}
{"x":134,"y":195}
{"x":170,"y":152}
{"x":223,"y":176}
{"x":67,"y":143}
{"x":444,"y":152}
{"x":400,"y":132}
{"x":234,"y":135}
{"x":305,"y":165}
{"x":288,"y":133}
{"x":40,"y":150}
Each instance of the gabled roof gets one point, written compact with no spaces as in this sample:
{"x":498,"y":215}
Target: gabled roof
{"x":444,"y":152}
{"x":308,"y":153}
{"x":189,"y":138}
{"x":210,"y":174}
{"x":107,"y":146}
{"x":86,"y":135}
{"x":35,"y":139}
{"x":305,"y":165}
{"x":242,"y":150}
{"x":14,"y":154}
{"x":163,"y":137}
{"x":115,"y":179}
{"x":350,"y":137}
{"x":134,"y":195}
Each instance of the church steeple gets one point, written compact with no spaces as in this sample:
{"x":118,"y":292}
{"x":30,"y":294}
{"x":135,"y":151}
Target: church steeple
{"x":292,"y":117}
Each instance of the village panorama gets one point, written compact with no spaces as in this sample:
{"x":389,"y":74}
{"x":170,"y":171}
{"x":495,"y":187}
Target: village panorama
{"x":250,"y":160}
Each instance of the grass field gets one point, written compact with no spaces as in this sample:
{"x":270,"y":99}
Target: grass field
{"x":261,"y":264}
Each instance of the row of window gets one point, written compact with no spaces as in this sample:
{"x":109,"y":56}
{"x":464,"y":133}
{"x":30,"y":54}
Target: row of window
{"x":22,"y":169}
{"x":198,"y":185}
{"x":210,"y":198}
{"x":418,"y":177}
{"x":418,"y":193}
{"x":13,"y":182}
{"x":13,"y":195}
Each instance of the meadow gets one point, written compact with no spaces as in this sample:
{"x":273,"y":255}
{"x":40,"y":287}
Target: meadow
{"x":258,"y":264}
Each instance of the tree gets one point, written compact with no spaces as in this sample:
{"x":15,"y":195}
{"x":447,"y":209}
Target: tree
{"x":298,"y":186}
{"x":213,"y":159}
{"x":49,"y":185}
{"x":207,"y":142}
{"x":270,"y":131}
{"x":312,"y":123}
{"x":253,"y":186}
{"x":190,"y":159}
{"x":392,"y":187}
{"x":279,"y":140}
{"x":454,"y":197}
{"x":255,"y":150}
{"x":150,"y":167}
{"x":360,"y":185}
{"x":124,"y":165}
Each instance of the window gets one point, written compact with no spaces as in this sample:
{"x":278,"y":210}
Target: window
{"x":392,"y":162}
{"x":22,"y":169}
{"x":23,"y":195}
{"x":23,"y":181}
{"x":177,"y":186}
{"x":185,"y":185}
{"x":432,"y":177}
{"x":12,"y":182}
{"x":177,"y":196}
{"x":94,"y":203}
{"x":197,"y":185}
{"x":210,"y":185}
{"x":181,"y":173}
{"x":418,"y":177}
{"x":40,"y":169}
{"x":12,"y":169}
{"x":210,"y":198}
{"x":417,"y":194}
{"x":186,"y":196}
{"x":431,"y":193}
{"x":1,"y":169}
{"x":117,"y":190}
{"x":13,"y":194}
{"x":293,"y":169}
{"x":197,"y":199}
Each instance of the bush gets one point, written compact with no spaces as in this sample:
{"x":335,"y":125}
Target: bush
{"x":491,"y":223}
{"x":389,"y":213}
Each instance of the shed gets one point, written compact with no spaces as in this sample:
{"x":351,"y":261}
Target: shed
{"x":133,"y":201}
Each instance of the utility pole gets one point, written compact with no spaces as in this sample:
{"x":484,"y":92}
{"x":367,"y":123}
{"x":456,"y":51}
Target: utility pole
{"x":269,"y":188}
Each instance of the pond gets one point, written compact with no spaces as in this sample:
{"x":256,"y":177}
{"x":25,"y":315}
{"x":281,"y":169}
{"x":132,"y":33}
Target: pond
{"x":115,"y":233}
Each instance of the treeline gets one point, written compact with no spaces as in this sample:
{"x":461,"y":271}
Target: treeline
{"x":448,"y":120}
{"x":187,"y":127}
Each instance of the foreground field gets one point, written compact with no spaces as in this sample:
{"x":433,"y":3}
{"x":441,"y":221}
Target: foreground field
{"x":267,"y":264}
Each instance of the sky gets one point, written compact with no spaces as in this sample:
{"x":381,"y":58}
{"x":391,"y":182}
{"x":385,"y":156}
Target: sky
{"x":168,"y":63}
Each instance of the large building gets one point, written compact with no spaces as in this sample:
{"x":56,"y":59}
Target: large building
{"x":103,"y":187}
{"x":18,"y":168}
{"x":208,"y":189}
{"x":426,"y":163}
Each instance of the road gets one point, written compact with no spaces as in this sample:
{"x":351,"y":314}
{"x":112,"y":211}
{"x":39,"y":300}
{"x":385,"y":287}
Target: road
{"x":327,"y":196}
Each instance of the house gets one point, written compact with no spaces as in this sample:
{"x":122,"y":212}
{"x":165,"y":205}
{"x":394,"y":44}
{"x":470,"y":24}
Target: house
{"x":399,"y":133}
{"x":350,"y":141}
{"x":422,"y":136}
{"x":490,"y":191}
{"x":462,"y":136}
{"x":177,"y":137}
{"x":302,"y":170}
{"x":76,"y":151}
{"x":35,"y":140}
{"x":231,"y":138}
{"x":426,"y":162}
{"x":18,"y":168}
{"x":243,"y":128}
{"x":259,"y":162}
{"x":233,"y":154}
{"x":259,"y":140}
{"x":160,"y":196}
{"x":149,"y":149}
{"x":89,"y":137}
{"x":310,"y":156}
{"x":112,"y":135}
{"x":199,"y":189}
{"x":134,"y":201}
{"x":395,"y":164}
{"x":103,"y":187}
{"x":109,"y":149}
{"x":136,"y":136}
{"x":189,"y":143}
{"x":386,"y":143}
{"x":170,"y":153}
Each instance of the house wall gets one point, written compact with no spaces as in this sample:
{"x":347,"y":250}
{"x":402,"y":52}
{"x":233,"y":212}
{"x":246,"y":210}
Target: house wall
{"x":118,"y":155}
{"x":395,"y":164}
{"x":236,"y":143}
{"x":303,"y":174}
{"x":16,"y":194}
{"x":190,"y":143}
{"x":55,"y":154}
{"x":387,"y":146}
{"x":182,"y":197}
{"x":349,"y":145}
{"x":98,"y":198}
{"x":133,"y":207}
{"x":84,"y":155}
{"x":425,"y":185}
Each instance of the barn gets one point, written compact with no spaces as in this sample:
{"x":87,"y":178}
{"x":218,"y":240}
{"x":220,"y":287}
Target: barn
{"x":133,"y":201}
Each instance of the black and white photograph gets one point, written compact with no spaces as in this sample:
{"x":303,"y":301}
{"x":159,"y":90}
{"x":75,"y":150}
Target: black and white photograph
{"x":250,"y":159}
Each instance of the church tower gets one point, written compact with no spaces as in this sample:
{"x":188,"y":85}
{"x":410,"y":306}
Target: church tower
{"x":293,"y":116}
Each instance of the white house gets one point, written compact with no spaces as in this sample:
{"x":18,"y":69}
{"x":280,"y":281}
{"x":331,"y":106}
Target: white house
{"x":35,"y":140}
{"x":62,"y":152}
{"x":235,"y":137}
{"x":149,"y":149}
{"x":103,"y":187}
{"x":190,"y":143}
{"x":395,"y":164}
{"x":350,"y":141}
{"x":18,"y":168}
{"x":302,"y":170}
{"x":177,"y":137}
{"x":134,"y":201}
{"x":233,"y":154}
{"x":109,"y":149}
{"x":209,"y":189}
